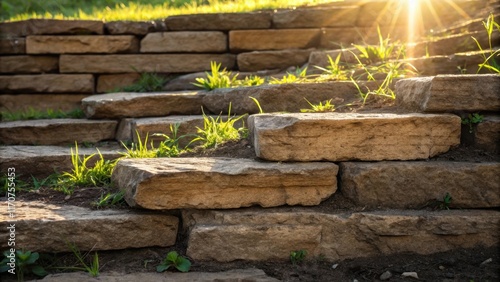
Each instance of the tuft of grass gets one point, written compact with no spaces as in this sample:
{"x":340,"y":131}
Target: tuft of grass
{"x":383,"y":52}
{"x":216,"y":78}
{"x":31,"y":114}
{"x":139,"y":149}
{"x":334,"y":70}
{"x":110,"y":199}
{"x":92,"y":267}
{"x":320,"y":107}
{"x":490,"y":61}
{"x":169,"y":147}
{"x":300,"y":75}
{"x":147,"y":82}
{"x":298,"y":256}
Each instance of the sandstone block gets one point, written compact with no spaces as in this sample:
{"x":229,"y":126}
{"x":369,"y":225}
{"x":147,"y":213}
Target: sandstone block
{"x":132,"y":27}
{"x":13,"y":45}
{"x":48,"y":228}
{"x":231,"y":235}
{"x":316,"y":17}
{"x":460,"y":63}
{"x":118,"y":105}
{"x":225,"y":21}
{"x":184,"y":42}
{"x":265,"y":60}
{"x":45,"y":26}
{"x":417,"y":184}
{"x":488,"y":133}
{"x":449,"y":93}
{"x":28,"y":64}
{"x":56,"y":131}
{"x":48,"y":83}
{"x":75,"y":44}
{"x":161,"y":63}
{"x":42,"y":102}
{"x":350,"y":136}
{"x":222,"y":183}
{"x":258,"y":40}
{"x":41,"y":161}
{"x":112,"y":82}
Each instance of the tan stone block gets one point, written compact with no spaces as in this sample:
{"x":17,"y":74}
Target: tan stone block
{"x":417,"y":184}
{"x":184,"y":42}
{"x":257,"y":40}
{"x":449,"y":93}
{"x":350,"y":136}
{"x":224,"y":21}
{"x":48,"y":83}
{"x":488,"y":134}
{"x":222,"y":183}
{"x":49,"y":228}
{"x":111,"y":82}
{"x":28,"y":64}
{"x":13,"y":45}
{"x":42,"y":102}
{"x":45,"y":26}
{"x":460,"y":63}
{"x":265,"y":60}
{"x":132,"y":27}
{"x":344,"y":16}
{"x":161,"y":63}
{"x":76,"y":44}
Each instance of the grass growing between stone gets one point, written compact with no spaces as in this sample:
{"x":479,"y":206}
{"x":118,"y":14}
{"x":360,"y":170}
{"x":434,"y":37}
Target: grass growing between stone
{"x":147,"y":82}
{"x":490,"y":61}
{"x":31,"y":114}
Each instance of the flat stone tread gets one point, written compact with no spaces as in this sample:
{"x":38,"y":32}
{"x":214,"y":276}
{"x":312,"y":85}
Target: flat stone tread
{"x":40,"y":123}
{"x":24,"y":151}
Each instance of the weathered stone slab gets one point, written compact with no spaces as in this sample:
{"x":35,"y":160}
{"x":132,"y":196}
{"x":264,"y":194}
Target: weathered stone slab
{"x":23,"y":102}
{"x":184,"y":42}
{"x":488,"y":133}
{"x":316,"y":17}
{"x":225,"y":21}
{"x":251,"y":274}
{"x":460,"y":63}
{"x":417,"y":184}
{"x":351,"y":136}
{"x":48,"y":228}
{"x":258,"y":40}
{"x":231,"y":235}
{"x":44,"y":26}
{"x":265,"y":60}
{"x":111,"y":82}
{"x":28,"y":64}
{"x":176,"y":63}
{"x":222,"y":183}
{"x":13,"y":45}
{"x":134,"y":28}
{"x":76,"y":44}
{"x":41,"y":161}
{"x":118,"y":105}
{"x":279,"y":97}
{"x":48,"y":83}
{"x":449,"y":93}
{"x":56,"y":131}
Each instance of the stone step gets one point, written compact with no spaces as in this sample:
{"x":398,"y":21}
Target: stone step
{"x":56,"y":131}
{"x":41,"y":161}
{"x":348,"y":136}
{"x":449,"y":93}
{"x":419,"y":184}
{"x":269,"y":234}
{"x":222,"y":183}
{"x":47,"y":228}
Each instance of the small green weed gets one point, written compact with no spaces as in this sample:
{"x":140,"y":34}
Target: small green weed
{"x":216,"y":78}
{"x":446,"y":202}
{"x":31,"y":114}
{"x":298,"y":256}
{"x":252,"y":80}
{"x":110,"y":199}
{"x":147,"y":82}
{"x":320,"y":107}
{"x":489,"y":62}
{"x":92,"y":268}
{"x":140,"y":149}
{"x":383,"y":52}
{"x":175,"y":260}
{"x":25,"y":263}
{"x":300,"y":75}
{"x":471,"y":120}
{"x":334,"y":70}
{"x":169,"y":147}
{"x":257,"y":103}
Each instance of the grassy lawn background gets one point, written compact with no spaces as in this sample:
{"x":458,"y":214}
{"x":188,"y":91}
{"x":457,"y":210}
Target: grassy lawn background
{"x":110,"y":10}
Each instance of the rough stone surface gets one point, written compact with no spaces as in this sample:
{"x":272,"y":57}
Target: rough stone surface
{"x":28,"y":64}
{"x":47,"y":228}
{"x":253,"y":275}
{"x":23,"y":102}
{"x":259,"y":40}
{"x":334,"y":38}
{"x":132,"y":27}
{"x":13,"y":45}
{"x":488,"y":133}
{"x":44,"y":26}
{"x":417,"y":184}
{"x":232,"y":235}
{"x":48,"y":83}
{"x":111,"y":82}
{"x":56,"y":131}
{"x":460,"y":63}
{"x":221,"y":183}
{"x":279,"y":97}
{"x":264,"y":60}
{"x":449,"y":93}
{"x":75,"y":44}
{"x":184,"y":42}
{"x":227,"y":21}
{"x":316,"y":17}
{"x":166,"y":63}
{"x":351,"y":136}
{"x":41,"y":161}
{"x":118,"y":105}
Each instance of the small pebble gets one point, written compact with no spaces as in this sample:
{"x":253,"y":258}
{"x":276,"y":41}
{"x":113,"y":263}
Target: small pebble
{"x":487,"y":261}
{"x":355,"y":280}
{"x":410,"y":274}
{"x":67,"y":197}
{"x":442,"y":267}
{"x":386,"y":275}
{"x":335,"y":266}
